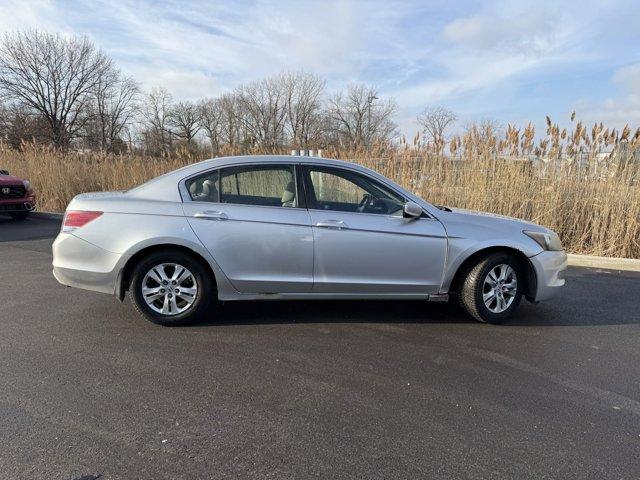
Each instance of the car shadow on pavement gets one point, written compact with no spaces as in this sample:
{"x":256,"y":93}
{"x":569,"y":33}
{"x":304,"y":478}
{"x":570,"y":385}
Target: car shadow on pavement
{"x":554,"y":313}
{"x":31,"y":228}
{"x":331,"y":311}
{"x":591,"y":298}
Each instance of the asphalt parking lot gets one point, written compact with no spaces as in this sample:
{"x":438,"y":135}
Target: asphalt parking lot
{"x":313,"y":389}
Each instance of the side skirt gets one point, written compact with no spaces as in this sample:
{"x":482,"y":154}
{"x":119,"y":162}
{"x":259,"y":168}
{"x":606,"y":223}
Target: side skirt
{"x":334,"y":296}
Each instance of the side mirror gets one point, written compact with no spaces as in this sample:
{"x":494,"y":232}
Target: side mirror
{"x":411,"y":210}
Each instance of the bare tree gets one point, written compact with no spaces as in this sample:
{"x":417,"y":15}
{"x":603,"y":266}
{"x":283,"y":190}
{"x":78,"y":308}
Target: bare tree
{"x":58,"y":89}
{"x":115,"y":103}
{"x":4,"y":121}
{"x":156,"y":112}
{"x":52,"y":75}
{"x":232,"y":131}
{"x":359,"y":117}
{"x":263,"y":111}
{"x":434,"y":122}
{"x":184,"y":117}
{"x":19,"y":125}
{"x":211,"y":114}
{"x":304,"y":93}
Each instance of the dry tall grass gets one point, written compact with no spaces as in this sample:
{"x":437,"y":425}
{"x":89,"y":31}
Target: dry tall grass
{"x":594,"y":214}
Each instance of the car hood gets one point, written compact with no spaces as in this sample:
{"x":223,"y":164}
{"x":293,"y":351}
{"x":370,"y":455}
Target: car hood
{"x":496,"y":220}
{"x":468,"y":229}
{"x":10,"y":180}
{"x":460,"y":223}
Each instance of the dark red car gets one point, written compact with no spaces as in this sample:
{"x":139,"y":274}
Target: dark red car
{"x":16,"y":196}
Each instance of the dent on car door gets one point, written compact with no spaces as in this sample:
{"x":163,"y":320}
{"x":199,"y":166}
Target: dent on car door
{"x":363,"y":244}
{"x":251,"y":220}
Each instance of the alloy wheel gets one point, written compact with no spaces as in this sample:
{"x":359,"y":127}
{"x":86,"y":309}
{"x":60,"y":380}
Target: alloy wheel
{"x":499,"y":288}
{"x":169,"y":289}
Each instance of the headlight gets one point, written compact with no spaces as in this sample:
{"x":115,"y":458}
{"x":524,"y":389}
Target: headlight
{"x":548,"y":241}
{"x":27,"y":184}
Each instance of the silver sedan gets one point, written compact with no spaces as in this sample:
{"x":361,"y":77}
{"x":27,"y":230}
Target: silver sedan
{"x":279,"y":227}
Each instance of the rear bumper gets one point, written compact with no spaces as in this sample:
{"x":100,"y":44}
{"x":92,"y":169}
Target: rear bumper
{"x":548,"y":267}
{"x":78,"y":263}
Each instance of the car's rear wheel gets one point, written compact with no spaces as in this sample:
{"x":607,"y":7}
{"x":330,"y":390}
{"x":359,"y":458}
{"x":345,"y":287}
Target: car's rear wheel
{"x":171,"y":288}
{"x":19,"y":215}
{"x":492,"y":288}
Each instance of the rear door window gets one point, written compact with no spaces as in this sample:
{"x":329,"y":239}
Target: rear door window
{"x":205,"y":188}
{"x":268,"y":186}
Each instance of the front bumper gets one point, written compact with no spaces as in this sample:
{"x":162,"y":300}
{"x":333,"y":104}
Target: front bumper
{"x":25,"y":204}
{"x":78,"y":263}
{"x":548,"y":268}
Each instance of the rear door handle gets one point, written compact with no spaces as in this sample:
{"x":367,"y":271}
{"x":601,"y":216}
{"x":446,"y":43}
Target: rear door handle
{"x":334,"y":224}
{"x":212,"y":215}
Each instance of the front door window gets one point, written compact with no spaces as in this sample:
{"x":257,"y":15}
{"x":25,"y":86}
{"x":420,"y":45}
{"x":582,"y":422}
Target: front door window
{"x":345,"y":191}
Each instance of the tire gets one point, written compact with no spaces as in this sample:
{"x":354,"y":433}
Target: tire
{"x":477,"y":282}
{"x":19,"y":215}
{"x":143,"y":277}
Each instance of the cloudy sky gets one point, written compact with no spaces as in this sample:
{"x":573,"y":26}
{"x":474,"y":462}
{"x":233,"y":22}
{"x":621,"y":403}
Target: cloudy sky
{"x":512,"y":61}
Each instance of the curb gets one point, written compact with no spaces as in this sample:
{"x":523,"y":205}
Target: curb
{"x":610,"y":263}
{"x":48,"y":215}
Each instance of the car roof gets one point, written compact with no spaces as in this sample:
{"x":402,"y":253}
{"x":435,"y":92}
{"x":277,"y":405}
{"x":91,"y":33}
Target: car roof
{"x":251,"y":159}
{"x":164,"y":182}
{"x":217,"y":162}
{"x":165,"y":186}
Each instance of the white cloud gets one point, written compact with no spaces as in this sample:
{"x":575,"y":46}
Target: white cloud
{"x":320,"y":37}
{"x":493,"y":49}
{"x":528,"y":33}
{"x":185,"y":85}
{"x":616,"y":111}
{"x":613,"y":112}
{"x":629,"y":77}
{"x":466,"y":74}
{"x":420,"y":52}
{"x":236,"y":42}
{"x":16,"y":14}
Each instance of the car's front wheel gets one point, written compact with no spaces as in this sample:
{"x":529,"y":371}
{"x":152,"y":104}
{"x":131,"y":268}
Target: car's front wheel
{"x":171,"y":288}
{"x":492,"y":288}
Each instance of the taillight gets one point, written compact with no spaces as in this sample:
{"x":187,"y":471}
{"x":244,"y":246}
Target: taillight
{"x":76,"y":218}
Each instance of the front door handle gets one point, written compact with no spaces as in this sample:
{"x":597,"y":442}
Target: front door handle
{"x":212,"y":215}
{"x":334,"y":224}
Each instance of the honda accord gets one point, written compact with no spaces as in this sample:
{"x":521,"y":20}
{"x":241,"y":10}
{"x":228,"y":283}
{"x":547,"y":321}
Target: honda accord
{"x":280,"y":227}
